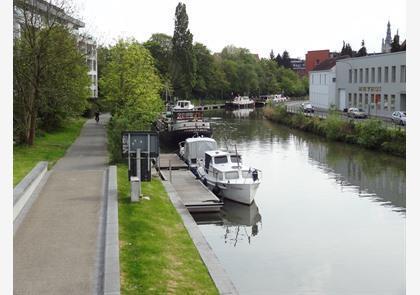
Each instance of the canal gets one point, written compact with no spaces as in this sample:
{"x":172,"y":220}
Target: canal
{"x":328,"y":218}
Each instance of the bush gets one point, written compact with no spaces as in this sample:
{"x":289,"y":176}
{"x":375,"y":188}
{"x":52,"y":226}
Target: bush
{"x":371,"y":133}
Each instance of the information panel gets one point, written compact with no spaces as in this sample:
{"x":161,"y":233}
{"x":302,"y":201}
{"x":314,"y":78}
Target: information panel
{"x":147,"y":141}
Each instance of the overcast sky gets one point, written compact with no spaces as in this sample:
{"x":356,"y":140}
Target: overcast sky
{"x":294,"y":25}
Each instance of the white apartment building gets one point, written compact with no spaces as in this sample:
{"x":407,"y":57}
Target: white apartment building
{"x":375,"y":83}
{"x":40,"y":9}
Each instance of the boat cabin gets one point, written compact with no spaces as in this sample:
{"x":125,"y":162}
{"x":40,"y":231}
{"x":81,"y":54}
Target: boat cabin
{"x":183,"y":105}
{"x":195,"y":148}
{"x":184,"y":115}
{"x":222,"y":165}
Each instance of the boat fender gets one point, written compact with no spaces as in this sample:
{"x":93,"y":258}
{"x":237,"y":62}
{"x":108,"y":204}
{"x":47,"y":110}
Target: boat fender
{"x":255,"y":175}
{"x":216,"y":190}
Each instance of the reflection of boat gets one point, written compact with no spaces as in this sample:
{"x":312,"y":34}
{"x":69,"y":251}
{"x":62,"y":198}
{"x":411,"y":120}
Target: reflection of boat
{"x":224,"y":173}
{"x":242,"y":113}
{"x":240,"y":102}
{"x":240,"y":221}
{"x":239,"y":214}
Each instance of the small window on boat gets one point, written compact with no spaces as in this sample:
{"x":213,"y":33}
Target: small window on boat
{"x":246,"y":174}
{"x":220,"y":160}
{"x":220,"y":176}
{"x":232,"y":175}
{"x":235,"y":159}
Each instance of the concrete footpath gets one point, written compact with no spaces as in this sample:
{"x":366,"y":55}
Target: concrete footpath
{"x":56,"y":247}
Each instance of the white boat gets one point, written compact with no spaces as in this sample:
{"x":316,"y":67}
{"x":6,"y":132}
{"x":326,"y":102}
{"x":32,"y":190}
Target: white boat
{"x":240,"y":102}
{"x":242,"y":113}
{"x":183,"y":105}
{"x":224,"y":173}
{"x":192,"y":150}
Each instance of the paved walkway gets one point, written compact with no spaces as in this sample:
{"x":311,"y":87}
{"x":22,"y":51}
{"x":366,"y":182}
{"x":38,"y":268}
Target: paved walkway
{"x":56,"y":245}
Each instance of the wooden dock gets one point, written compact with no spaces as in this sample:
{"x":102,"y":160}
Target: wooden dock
{"x":192,"y":192}
{"x":176,"y":162}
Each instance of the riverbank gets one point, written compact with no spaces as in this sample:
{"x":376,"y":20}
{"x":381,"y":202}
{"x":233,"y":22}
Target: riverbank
{"x":47,"y":147}
{"x":370,"y":133}
{"x":156,"y":253}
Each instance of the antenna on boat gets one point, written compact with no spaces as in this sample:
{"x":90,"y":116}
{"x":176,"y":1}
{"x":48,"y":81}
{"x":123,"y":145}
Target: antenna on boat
{"x":237,"y":158}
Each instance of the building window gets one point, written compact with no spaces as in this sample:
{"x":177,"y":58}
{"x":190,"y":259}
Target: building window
{"x":372,"y":72}
{"x":386,"y":75}
{"x":378,"y":102}
{"x":350,"y":77}
{"x":379,"y":75}
{"x":372,"y":101}
{"x":361,"y":76}
{"x":402,"y":74}
{"x":366,"y":105}
{"x":319,"y":79}
{"x":349,"y":99}
{"x":392,"y":106}
{"x":333,"y":79}
{"x":367,"y":75}
{"x":312,"y":78}
{"x":386,"y":102}
{"x":354,"y":99}
{"x":393,"y":74}
{"x":325,"y":79}
{"x":355,"y":76}
{"x":359,"y":105}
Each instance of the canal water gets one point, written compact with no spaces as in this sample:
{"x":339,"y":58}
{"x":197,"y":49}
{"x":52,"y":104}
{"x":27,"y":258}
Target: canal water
{"x":328,"y":218}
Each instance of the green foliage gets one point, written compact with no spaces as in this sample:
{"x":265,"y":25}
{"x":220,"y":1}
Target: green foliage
{"x":131,"y":86}
{"x":50,"y":80}
{"x":183,"y":60}
{"x":370,"y":133}
{"x":157,"y":255}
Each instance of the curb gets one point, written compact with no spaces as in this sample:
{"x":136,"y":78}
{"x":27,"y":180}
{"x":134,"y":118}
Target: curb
{"x":220,"y":278}
{"x":28,"y":188}
{"x":111,"y":284}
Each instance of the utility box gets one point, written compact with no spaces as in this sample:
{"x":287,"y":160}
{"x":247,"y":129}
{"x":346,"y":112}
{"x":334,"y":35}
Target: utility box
{"x":135,"y":188}
{"x":145,"y":167}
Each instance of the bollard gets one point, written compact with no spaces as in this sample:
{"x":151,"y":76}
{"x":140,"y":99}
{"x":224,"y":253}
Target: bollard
{"x":170,"y":171}
{"x":135,"y":188}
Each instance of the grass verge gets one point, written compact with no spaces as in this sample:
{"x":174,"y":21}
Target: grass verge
{"x":157,"y":256}
{"x":47,"y":147}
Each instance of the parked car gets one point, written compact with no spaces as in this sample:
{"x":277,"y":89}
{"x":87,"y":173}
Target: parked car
{"x":307,"y":108}
{"x":399,"y":117}
{"x":356,"y":113}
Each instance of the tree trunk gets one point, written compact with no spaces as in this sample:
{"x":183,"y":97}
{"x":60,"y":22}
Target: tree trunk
{"x":31,"y":136}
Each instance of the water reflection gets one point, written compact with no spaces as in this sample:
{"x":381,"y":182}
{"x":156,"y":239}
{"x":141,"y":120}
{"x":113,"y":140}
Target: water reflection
{"x":240,"y":222}
{"x":372,"y":175}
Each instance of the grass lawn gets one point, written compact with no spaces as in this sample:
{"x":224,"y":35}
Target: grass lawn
{"x":157,"y":256}
{"x":48,"y":147}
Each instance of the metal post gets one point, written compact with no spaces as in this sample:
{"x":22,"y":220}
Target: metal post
{"x":138,"y":159}
{"x":170,"y":171}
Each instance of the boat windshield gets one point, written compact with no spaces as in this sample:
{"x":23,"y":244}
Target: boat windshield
{"x":232,"y":175}
{"x":220,"y":160}
{"x":235,"y":159}
{"x":246,"y":174}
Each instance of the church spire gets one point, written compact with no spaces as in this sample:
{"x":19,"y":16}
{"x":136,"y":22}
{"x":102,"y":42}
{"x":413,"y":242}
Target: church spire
{"x":388,"y":39}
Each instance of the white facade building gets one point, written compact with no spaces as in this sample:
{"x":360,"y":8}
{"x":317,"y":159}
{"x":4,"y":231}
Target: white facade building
{"x":375,"y":83}
{"x":322,"y":88}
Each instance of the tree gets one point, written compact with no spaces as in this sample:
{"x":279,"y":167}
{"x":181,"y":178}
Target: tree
{"x":346,"y":50}
{"x":50,"y":81}
{"x":395,"y":45}
{"x":160,"y":46}
{"x":272,"y":55}
{"x":362,"y":51}
{"x":131,"y":85}
{"x":286,"y":60}
{"x":279,"y":60}
{"x":183,"y":61}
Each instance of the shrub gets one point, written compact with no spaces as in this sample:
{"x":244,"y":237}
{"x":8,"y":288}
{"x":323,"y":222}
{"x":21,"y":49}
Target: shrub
{"x":371,"y":133}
